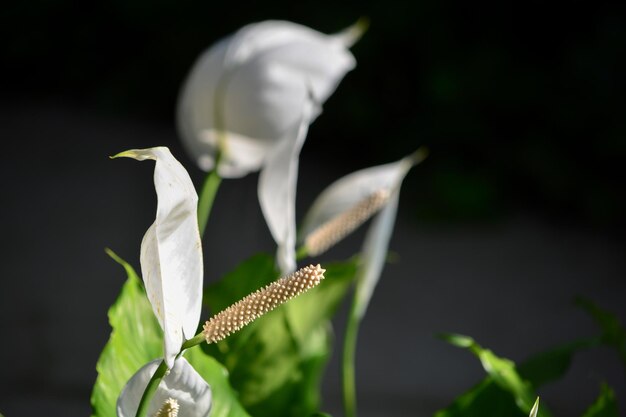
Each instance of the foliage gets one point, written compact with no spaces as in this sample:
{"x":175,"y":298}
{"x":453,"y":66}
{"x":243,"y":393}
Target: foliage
{"x":136,"y":339}
{"x":276,"y":363}
{"x":502,"y":392}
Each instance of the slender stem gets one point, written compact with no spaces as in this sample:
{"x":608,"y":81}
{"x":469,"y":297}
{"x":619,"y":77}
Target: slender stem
{"x":148,"y":393}
{"x":349,"y":350}
{"x":196,"y":340}
{"x":207,"y":196}
{"x":154,"y":382}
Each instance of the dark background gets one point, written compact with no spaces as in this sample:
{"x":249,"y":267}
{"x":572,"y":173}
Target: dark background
{"x":518,"y":208}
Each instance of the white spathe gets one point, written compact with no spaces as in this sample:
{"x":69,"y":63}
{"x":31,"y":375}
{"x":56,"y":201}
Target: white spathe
{"x":171,"y":251}
{"x":251,"y":97}
{"x":248,"y":91}
{"x":343,"y":195}
{"x":182,"y":383}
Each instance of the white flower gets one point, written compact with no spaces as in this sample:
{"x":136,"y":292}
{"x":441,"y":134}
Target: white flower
{"x":182,"y":386}
{"x":251,"y":97}
{"x":349,"y":202}
{"x":171,"y":251}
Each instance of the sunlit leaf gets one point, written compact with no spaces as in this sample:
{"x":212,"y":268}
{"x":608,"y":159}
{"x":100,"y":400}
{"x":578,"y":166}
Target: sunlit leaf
{"x":276,"y":362}
{"x":225,"y":402}
{"x":135,"y":340}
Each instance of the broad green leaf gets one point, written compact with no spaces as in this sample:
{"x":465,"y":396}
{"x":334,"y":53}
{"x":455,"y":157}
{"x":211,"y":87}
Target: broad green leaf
{"x":135,"y":340}
{"x":225,"y":402}
{"x":504,"y":388}
{"x":613,"y":333}
{"x":483,"y":400}
{"x":276,"y":363}
{"x":605,"y":405}
{"x":552,"y":364}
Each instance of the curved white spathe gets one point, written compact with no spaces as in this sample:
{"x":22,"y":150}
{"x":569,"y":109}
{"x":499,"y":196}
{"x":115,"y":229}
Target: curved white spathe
{"x":250,"y":99}
{"x":182,"y":384}
{"x":343,"y":195}
{"x":245,"y":94}
{"x":171,"y":251}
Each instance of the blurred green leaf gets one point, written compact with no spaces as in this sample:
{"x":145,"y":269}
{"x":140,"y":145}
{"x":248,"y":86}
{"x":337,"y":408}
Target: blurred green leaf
{"x":605,"y":405}
{"x":503,"y":392}
{"x":136,"y":339}
{"x":483,"y":400}
{"x":276,"y":362}
{"x":225,"y":402}
{"x":552,"y":364}
{"x":613,"y":333}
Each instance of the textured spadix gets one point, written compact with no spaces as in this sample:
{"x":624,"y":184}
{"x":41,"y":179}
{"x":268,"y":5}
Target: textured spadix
{"x":169,"y":408}
{"x":335,"y":229}
{"x":349,"y":202}
{"x":260,"y":302}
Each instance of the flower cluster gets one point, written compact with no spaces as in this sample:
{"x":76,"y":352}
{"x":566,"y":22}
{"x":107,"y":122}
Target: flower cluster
{"x":246,"y":106}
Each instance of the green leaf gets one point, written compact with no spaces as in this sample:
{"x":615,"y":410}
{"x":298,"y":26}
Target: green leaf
{"x":225,"y":402}
{"x":483,"y":400}
{"x":552,"y":364}
{"x":503,"y":392}
{"x":135,"y":340}
{"x":605,"y":405}
{"x":613,"y":333}
{"x":276,"y":363}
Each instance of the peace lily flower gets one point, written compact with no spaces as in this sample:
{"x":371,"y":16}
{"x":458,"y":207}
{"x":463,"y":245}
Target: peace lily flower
{"x":171,"y":251}
{"x":172,"y":270}
{"x":249,"y":100}
{"x":349,"y":202}
{"x":181,"y":393}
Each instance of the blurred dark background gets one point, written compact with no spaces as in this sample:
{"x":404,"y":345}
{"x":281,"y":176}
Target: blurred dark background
{"x":518,"y":208}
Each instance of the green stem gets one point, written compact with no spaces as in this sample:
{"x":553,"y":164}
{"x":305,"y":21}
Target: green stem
{"x":349,"y":350}
{"x":196,"y":340}
{"x":207,"y":197}
{"x":153,"y":384}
